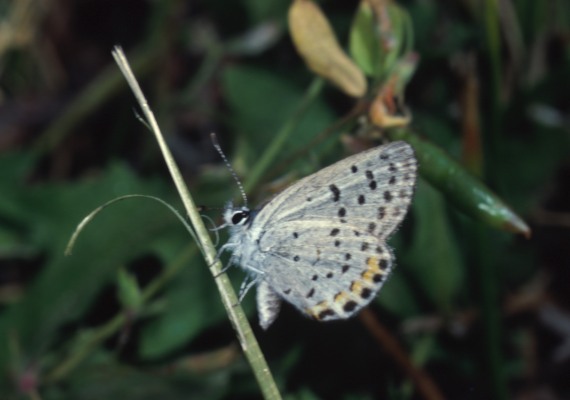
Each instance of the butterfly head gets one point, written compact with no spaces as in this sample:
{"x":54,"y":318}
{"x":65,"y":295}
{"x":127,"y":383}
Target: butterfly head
{"x":236,"y":217}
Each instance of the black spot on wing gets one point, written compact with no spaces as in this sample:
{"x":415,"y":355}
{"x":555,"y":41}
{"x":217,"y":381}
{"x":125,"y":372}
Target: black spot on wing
{"x":381,"y":212}
{"x":326,"y":313}
{"x":335,"y":191}
{"x":350,"y":306}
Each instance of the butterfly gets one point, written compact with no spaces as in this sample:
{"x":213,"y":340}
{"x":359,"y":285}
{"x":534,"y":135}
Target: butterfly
{"x":321,"y":243}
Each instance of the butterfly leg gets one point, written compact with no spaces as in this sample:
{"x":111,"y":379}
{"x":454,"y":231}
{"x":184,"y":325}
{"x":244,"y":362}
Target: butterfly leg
{"x":246,"y":285}
{"x":223,"y":270}
{"x":227,"y":246}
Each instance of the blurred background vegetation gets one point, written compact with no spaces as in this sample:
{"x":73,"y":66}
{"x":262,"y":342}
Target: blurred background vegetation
{"x":477,"y":307}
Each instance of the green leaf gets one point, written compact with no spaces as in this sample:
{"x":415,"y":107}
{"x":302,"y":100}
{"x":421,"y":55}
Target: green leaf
{"x":434,"y":258}
{"x":128,"y":290}
{"x":364,"y":45}
{"x":377,"y":49}
{"x":465,"y":191}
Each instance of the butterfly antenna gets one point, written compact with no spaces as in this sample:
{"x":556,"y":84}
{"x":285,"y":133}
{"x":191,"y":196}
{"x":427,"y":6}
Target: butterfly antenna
{"x":229,"y":166}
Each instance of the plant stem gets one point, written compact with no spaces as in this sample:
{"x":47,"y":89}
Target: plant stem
{"x":234,"y":310}
{"x":270,"y":154}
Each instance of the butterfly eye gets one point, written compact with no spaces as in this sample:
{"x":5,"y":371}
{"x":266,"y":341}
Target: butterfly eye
{"x":240,"y":217}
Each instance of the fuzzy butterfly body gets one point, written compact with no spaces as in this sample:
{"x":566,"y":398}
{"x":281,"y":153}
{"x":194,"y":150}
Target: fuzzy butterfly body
{"x":321,"y":243}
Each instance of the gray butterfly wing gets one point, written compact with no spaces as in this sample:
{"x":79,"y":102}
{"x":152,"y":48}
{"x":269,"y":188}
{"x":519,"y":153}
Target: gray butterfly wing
{"x":323,"y":238}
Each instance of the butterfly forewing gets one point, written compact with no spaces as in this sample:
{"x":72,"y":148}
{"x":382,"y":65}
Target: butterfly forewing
{"x":373,"y":186}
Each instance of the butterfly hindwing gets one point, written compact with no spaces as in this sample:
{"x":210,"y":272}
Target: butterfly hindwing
{"x":335,"y":282}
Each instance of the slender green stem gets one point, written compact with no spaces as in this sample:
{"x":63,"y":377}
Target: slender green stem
{"x":203,"y":76}
{"x":488,"y":292}
{"x":81,"y":352}
{"x":270,"y":154}
{"x":341,"y":124}
{"x":235,"y":312}
{"x":491,"y":19}
{"x":114,"y":325}
{"x":487,"y":277}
